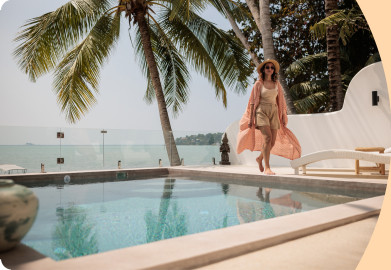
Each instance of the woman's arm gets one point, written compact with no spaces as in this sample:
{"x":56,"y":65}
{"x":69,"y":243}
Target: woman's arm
{"x":254,"y":96}
{"x":250,"y":123}
{"x":282,"y":106}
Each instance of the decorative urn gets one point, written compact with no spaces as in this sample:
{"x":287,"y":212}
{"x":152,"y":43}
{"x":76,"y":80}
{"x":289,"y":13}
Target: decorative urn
{"x":18,"y":209}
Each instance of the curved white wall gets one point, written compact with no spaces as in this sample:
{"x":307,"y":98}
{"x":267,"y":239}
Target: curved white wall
{"x":357,"y":124}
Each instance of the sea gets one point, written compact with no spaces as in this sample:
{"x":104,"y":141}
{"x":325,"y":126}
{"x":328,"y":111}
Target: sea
{"x":99,"y":157}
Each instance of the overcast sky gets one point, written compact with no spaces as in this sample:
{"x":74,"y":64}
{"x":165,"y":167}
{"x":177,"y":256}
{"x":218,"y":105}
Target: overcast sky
{"x":122,"y":86}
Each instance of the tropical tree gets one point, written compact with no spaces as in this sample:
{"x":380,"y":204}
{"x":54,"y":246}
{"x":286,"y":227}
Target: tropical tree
{"x":260,"y":11}
{"x":290,"y":21}
{"x":333,"y":58}
{"x":309,"y":75}
{"x":76,"y":40}
{"x":310,"y":83}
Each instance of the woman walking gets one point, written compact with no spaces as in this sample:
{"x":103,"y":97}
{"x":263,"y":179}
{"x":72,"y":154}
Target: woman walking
{"x":263,"y":125}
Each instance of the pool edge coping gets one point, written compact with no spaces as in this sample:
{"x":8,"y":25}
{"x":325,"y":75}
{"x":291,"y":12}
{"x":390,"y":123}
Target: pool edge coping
{"x":201,"y":249}
{"x":176,"y":257}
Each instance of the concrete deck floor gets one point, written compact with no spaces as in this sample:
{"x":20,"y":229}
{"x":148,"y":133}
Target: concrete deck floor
{"x":338,"y":248}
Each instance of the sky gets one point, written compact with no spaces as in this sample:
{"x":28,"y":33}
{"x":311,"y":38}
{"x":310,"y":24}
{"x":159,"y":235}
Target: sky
{"x":120,"y":103}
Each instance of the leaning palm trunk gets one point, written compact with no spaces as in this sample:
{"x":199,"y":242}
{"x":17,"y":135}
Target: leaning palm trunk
{"x":268,"y":48}
{"x":333,"y":59}
{"x":163,"y":208}
{"x":239,"y":34}
{"x":164,"y":119}
{"x":262,"y":19}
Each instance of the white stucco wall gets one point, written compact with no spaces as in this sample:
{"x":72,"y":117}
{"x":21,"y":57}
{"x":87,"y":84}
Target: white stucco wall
{"x":357,"y":124}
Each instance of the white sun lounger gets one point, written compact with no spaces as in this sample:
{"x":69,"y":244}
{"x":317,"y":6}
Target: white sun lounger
{"x":338,"y":154}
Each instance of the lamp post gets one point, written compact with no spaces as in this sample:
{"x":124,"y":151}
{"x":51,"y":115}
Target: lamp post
{"x":103,"y":134}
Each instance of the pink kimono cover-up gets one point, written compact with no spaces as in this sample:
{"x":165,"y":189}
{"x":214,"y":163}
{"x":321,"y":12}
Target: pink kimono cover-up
{"x":286,"y":144}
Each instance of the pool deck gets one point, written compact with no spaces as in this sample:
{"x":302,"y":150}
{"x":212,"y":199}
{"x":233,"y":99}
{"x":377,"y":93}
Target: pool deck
{"x":317,"y":239}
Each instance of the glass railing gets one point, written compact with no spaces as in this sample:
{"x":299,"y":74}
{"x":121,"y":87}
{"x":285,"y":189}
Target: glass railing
{"x":76,"y":149}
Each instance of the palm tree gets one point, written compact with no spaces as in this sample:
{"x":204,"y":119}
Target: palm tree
{"x":164,"y":42}
{"x":268,"y":47}
{"x":232,"y":13}
{"x":310,"y":89}
{"x":333,"y":59}
{"x":343,"y":25}
{"x":261,"y":16}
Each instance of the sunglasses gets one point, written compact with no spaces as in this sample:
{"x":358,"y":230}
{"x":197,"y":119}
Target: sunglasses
{"x":269,"y":67}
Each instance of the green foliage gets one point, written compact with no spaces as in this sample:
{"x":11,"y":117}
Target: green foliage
{"x":357,"y":49}
{"x":291,"y":20}
{"x":170,"y":221}
{"x":303,"y":57}
{"x":179,"y":37}
{"x":349,"y":21}
{"x":200,"y":139}
{"x":73,"y":235}
{"x":174,"y":225}
{"x":45,"y":39}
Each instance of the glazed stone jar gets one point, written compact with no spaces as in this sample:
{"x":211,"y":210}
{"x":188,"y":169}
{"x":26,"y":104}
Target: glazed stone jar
{"x":18,"y":209}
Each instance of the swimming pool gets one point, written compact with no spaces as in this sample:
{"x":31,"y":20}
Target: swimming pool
{"x":80,"y":219}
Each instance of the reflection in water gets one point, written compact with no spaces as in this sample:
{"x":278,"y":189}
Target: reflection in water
{"x":170,"y":222}
{"x":225,"y":188}
{"x":73,"y":235}
{"x":266,"y":208}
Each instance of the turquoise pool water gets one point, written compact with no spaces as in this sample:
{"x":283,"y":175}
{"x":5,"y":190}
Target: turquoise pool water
{"x":77,"y":220}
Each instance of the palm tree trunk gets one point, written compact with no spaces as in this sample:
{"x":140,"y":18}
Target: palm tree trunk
{"x":333,"y":59}
{"x":268,"y":49}
{"x":163,"y":209}
{"x":171,"y":148}
{"x":240,"y":36}
{"x":261,"y":17}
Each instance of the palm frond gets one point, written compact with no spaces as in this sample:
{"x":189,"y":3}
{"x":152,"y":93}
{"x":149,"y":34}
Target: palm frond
{"x":308,"y":87}
{"x":348,"y":21}
{"x":80,"y":68}
{"x":184,"y":8}
{"x":311,"y":102}
{"x":171,"y":67}
{"x":212,"y":53}
{"x":314,"y":62}
{"x":236,"y":11}
{"x":45,"y":39}
{"x":373,"y":59}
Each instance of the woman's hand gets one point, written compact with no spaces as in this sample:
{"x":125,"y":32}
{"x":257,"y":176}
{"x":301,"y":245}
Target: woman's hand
{"x":284,"y":121}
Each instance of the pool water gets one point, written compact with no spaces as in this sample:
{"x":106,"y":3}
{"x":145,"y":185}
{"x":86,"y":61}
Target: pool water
{"x":77,"y":220}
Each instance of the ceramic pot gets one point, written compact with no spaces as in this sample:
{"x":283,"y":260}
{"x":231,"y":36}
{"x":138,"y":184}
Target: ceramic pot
{"x":18,"y":209}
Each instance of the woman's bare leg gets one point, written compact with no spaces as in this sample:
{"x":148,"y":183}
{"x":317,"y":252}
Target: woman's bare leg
{"x":273,"y":141}
{"x":259,"y":161}
{"x":274,"y":137}
{"x":266,"y":147}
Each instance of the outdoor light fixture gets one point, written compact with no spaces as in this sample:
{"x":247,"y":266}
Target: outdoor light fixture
{"x":103,"y":134}
{"x":60,"y":160}
{"x":375,"y":98}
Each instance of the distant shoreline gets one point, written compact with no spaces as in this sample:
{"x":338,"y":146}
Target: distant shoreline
{"x":200,"y":139}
